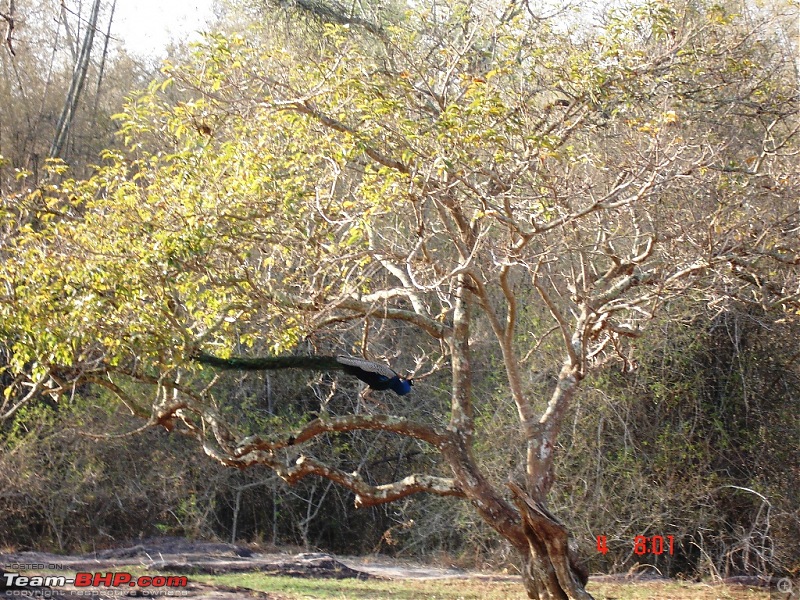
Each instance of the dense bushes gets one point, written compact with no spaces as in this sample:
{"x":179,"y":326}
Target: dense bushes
{"x":700,"y":442}
{"x":65,"y":490}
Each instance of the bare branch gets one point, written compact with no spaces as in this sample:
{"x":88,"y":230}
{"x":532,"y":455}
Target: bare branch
{"x":36,"y":387}
{"x":366,"y":494}
{"x":9,"y":19}
{"x":130,"y":403}
{"x":432,"y":327}
{"x":399,"y":425}
{"x":562,"y":322}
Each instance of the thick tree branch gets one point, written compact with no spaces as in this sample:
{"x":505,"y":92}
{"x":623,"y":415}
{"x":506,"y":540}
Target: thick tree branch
{"x":505,"y":339}
{"x":400,"y":425}
{"x":366,"y":494}
{"x":510,"y":358}
{"x":559,"y":317}
{"x":461,"y":419}
{"x":432,"y":327}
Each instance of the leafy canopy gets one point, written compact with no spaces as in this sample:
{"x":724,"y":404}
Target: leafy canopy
{"x":268,"y":180}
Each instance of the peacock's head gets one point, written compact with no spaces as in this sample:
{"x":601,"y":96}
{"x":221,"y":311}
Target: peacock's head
{"x":402,"y":386}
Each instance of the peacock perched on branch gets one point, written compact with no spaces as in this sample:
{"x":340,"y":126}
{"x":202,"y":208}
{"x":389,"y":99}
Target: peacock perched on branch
{"x":376,"y":375}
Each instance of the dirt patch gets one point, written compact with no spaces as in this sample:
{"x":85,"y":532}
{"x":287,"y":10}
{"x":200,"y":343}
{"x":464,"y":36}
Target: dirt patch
{"x":390,"y":568}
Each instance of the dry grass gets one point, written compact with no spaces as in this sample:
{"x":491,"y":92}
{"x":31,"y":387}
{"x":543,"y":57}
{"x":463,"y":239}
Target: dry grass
{"x":290,"y":588}
{"x":673,"y":590}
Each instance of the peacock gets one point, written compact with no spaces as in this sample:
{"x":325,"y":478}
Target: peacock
{"x":376,"y":375}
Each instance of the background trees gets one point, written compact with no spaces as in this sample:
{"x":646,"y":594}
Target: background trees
{"x":67,"y":76}
{"x":505,"y":202}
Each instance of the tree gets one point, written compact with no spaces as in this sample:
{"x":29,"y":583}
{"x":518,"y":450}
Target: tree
{"x":76,"y":86}
{"x":57,"y":95}
{"x":431,"y":187}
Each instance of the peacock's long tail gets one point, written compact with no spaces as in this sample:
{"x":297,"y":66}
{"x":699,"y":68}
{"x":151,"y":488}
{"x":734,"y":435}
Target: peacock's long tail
{"x":270,"y":363}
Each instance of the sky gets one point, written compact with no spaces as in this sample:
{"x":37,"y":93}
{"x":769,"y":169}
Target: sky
{"x":146,"y":27}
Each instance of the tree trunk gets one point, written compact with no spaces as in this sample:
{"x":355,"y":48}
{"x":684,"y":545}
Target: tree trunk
{"x":76,"y":86}
{"x":552,"y":569}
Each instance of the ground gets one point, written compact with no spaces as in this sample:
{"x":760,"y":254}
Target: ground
{"x":216,"y":571}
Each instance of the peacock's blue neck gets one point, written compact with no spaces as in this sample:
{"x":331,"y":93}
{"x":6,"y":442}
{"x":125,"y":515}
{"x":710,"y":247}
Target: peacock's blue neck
{"x":401,"y":386}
